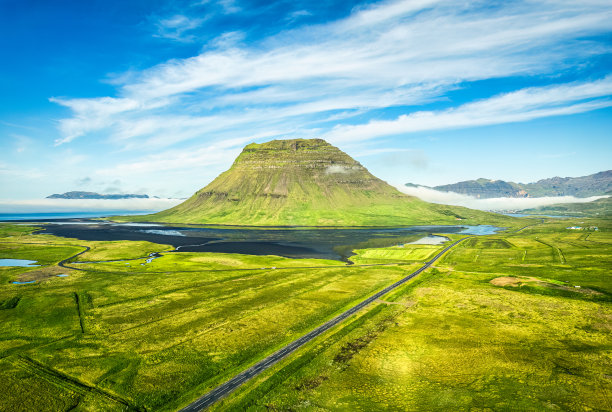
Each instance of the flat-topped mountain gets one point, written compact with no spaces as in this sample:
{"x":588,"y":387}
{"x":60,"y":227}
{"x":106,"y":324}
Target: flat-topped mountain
{"x":303,"y":183}
{"x":93,"y":195}
{"x":584,"y":186}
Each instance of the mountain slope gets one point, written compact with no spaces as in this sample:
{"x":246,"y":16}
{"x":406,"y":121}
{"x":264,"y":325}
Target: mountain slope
{"x":596,"y":208}
{"x":304,"y":183}
{"x":584,"y":186}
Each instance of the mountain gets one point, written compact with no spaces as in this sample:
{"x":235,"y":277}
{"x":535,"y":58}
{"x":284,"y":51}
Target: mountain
{"x":485,"y":188}
{"x":304,"y":183}
{"x":584,"y":186}
{"x":596,"y":208}
{"x":93,"y":195}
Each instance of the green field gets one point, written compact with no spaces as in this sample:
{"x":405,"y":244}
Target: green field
{"x":498,"y":324}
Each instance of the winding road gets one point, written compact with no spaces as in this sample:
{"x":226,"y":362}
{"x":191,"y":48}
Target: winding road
{"x":229,"y":386}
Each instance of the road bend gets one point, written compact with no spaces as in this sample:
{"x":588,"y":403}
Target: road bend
{"x":229,"y":386}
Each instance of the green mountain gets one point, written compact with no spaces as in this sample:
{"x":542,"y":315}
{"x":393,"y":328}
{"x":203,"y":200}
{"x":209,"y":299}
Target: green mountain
{"x":305,"y":183}
{"x":584,"y":186}
{"x":596,"y":208}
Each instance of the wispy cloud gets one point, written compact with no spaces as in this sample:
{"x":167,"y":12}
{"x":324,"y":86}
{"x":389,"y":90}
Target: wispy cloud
{"x":522,"y":105}
{"x":178,"y":27}
{"x":391,"y":54}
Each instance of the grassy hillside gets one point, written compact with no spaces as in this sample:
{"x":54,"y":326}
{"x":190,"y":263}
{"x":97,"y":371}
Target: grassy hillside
{"x":306,"y":183}
{"x":597,"y":208}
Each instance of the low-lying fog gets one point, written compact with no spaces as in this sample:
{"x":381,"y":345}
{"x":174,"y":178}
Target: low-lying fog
{"x":86,"y":205}
{"x":497,"y":204}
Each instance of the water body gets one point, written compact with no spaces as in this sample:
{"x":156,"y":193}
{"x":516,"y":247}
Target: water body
{"x":23,"y":283}
{"x":480,"y":230}
{"x":289,"y":242}
{"x":18,"y":262}
{"x":430,"y":240}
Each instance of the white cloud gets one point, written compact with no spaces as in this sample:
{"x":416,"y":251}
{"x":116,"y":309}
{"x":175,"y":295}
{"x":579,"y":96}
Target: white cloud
{"x":518,"y":106}
{"x":177,"y":27}
{"x":389,"y":54}
{"x":495,"y":204}
{"x":339,"y":169}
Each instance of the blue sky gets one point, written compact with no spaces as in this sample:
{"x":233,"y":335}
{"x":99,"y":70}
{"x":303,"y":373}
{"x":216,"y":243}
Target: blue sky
{"x":158,"y":97}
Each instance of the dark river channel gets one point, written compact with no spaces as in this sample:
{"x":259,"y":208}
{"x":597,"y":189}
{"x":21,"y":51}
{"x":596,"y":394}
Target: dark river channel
{"x":319,"y":243}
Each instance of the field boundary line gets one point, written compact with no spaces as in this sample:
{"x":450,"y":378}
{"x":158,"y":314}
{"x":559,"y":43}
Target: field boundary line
{"x":65,"y":381}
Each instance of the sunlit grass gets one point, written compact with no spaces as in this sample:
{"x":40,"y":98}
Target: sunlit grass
{"x":453,"y":340}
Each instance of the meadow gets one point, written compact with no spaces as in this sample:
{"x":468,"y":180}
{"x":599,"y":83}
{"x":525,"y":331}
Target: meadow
{"x":513,"y":321}
{"x":498,"y":323}
{"x":135,"y":335}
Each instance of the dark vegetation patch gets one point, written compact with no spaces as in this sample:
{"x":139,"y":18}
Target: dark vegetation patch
{"x":10,"y":303}
{"x":448,"y":212}
{"x":311,"y":383}
{"x":488,"y":243}
{"x":352,"y":348}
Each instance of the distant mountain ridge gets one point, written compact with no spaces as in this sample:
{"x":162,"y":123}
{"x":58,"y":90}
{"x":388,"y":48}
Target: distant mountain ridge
{"x":305,"y":182}
{"x":583,"y":186}
{"x":93,"y":195}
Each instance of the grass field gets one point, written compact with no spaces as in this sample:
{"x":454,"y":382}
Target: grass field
{"x":154,"y":335}
{"x":499,"y":323}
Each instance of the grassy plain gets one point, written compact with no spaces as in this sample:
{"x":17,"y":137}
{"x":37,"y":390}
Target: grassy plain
{"x":497,"y":324}
{"x":137,"y":335}
{"x":514,"y":321}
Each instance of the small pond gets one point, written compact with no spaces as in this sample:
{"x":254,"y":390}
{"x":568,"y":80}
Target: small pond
{"x":18,"y":262}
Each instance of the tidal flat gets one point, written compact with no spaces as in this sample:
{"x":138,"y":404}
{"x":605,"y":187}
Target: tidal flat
{"x":156,"y":336}
{"x":293,"y":242}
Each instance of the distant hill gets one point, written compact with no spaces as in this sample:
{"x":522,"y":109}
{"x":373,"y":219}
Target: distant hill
{"x":596,"y":208}
{"x":93,"y":195}
{"x":305,"y":183}
{"x":584,"y":186}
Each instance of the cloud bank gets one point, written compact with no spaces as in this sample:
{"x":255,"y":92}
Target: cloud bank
{"x":86,"y":205}
{"x":493,"y":204}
